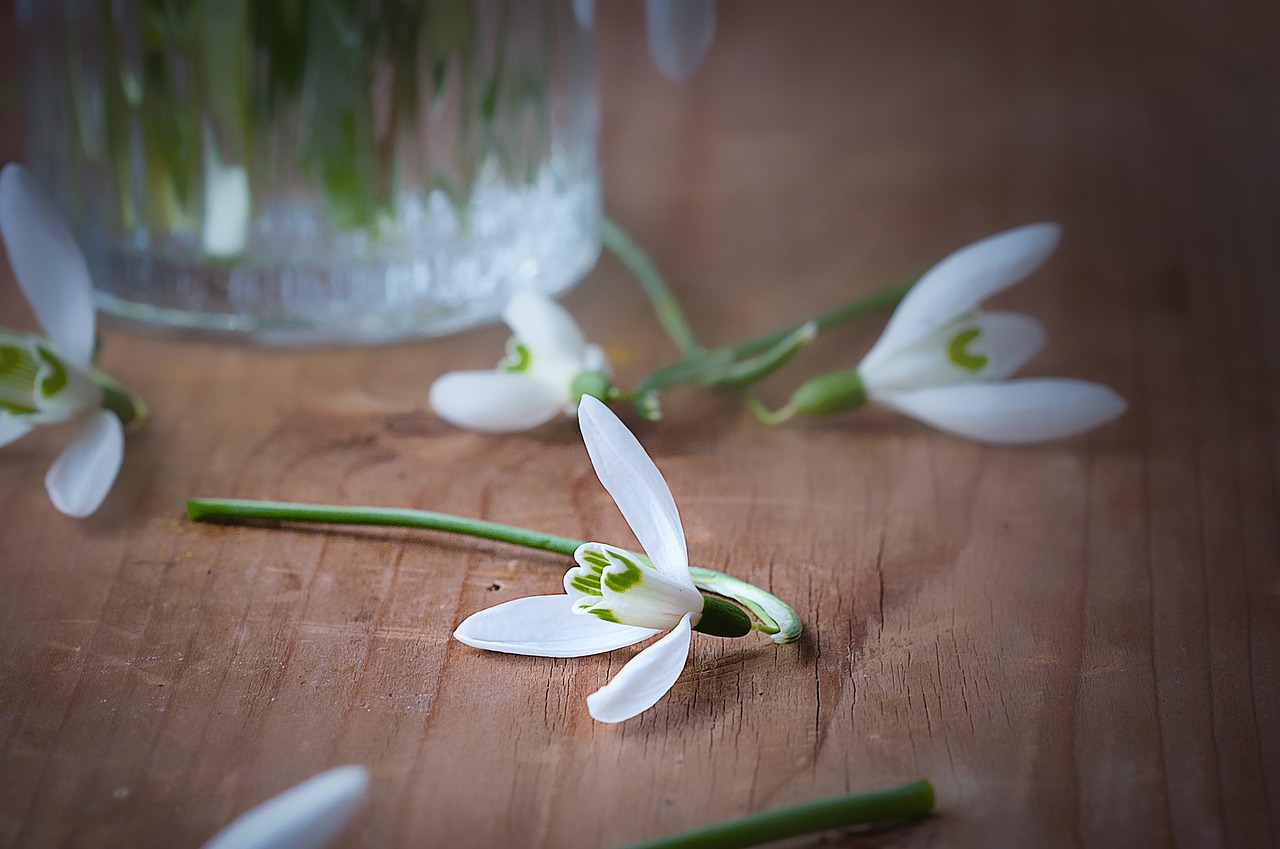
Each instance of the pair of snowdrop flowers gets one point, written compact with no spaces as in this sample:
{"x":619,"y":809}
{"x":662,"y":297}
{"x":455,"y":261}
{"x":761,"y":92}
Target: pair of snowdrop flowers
{"x":52,"y":379}
{"x":940,"y":360}
{"x":615,"y":598}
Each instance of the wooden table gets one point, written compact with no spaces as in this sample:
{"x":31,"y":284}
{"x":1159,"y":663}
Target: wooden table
{"x":1079,"y":643}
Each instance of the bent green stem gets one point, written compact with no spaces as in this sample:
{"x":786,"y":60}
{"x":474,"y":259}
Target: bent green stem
{"x":665,"y":306}
{"x":776,"y":618}
{"x":894,"y":804}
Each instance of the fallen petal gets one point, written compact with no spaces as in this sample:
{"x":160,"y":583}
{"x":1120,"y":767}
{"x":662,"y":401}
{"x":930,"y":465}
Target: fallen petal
{"x":962,"y":281}
{"x":494,"y":401}
{"x":637,"y":487}
{"x":307,"y":816}
{"x":646,"y":678}
{"x":48,"y":264}
{"x":1013,"y":412}
{"x":680,"y":34}
{"x":79,"y":480}
{"x":545,"y":626}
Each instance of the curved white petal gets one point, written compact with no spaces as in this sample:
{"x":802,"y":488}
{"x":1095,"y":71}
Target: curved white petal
{"x":1008,"y":340}
{"x":961,"y":282}
{"x":637,"y":488}
{"x":1012,"y":412}
{"x":12,"y":428}
{"x":307,"y":816}
{"x":978,"y":346}
{"x":48,"y":264}
{"x":545,"y":327}
{"x":646,"y":678}
{"x":680,"y":34}
{"x":495,"y":401}
{"x":545,"y":626}
{"x":79,"y":480}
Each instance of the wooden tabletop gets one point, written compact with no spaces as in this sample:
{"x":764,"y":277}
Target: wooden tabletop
{"x":1078,"y":643}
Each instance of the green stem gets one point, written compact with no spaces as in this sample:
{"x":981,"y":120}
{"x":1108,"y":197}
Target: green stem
{"x":776,"y":617}
{"x":909,"y":801}
{"x":875,"y":302}
{"x":664,"y":303}
{"x":235,"y":510}
{"x":706,"y":366}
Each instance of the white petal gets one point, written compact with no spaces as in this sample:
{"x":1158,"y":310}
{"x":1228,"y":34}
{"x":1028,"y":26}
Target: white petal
{"x":680,"y":33}
{"x":646,"y":678}
{"x":1000,"y":342}
{"x":1008,"y":340}
{"x":226,"y":202}
{"x":307,"y":816}
{"x":495,"y":401}
{"x":1013,"y":412}
{"x":79,"y":480}
{"x":12,"y":428}
{"x":584,"y":11}
{"x":637,"y":488}
{"x":545,"y":626}
{"x":545,"y":327}
{"x":48,"y":264}
{"x":961,"y":282}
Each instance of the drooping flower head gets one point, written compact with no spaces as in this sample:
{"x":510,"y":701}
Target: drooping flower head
{"x":51,"y":379}
{"x":613,"y":598}
{"x":548,"y":367}
{"x":943,"y":361}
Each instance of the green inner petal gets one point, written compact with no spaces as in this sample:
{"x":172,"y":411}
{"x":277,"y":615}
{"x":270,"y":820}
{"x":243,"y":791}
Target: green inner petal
{"x":19,"y":372}
{"x":56,"y":378}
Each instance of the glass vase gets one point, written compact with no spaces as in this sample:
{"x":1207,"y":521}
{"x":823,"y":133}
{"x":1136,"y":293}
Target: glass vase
{"x":305,"y":171}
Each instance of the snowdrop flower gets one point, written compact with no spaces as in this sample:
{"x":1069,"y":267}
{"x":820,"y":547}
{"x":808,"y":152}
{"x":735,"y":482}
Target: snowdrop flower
{"x":549,"y":366}
{"x":614,"y":598}
{"x":307,"y":816}
{"x":680,"y":32}
{"x":942,"y":361}
{"x":46,"y":380}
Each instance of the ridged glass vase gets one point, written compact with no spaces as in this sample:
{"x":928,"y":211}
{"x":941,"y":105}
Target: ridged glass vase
{"x":305,"y":171}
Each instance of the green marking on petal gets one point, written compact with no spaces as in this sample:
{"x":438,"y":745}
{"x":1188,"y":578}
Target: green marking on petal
{"x":589,"y":584}
{"x":519,"y":358}
{"x":602,"y":613}
{"x":18,"y":373}
{"x":56,"y":380}
{"x":621,"y":580}
{"x":595,"y":558}
{"x":959,"y":354}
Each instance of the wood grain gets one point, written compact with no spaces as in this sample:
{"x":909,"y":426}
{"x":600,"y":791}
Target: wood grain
{"x":1079,"y":643}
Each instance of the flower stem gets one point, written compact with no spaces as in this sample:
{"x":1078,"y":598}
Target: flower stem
{"x":776,"y":618}
{"x":909,"y":801}
{"x":664,"y":303}
{"x":235,"y":510}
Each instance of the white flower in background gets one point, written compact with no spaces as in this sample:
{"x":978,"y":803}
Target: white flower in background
{"x":942,"y":361}
{"x":680,"y":32}
{"x":612,"y":597}
{"x":307,"y":816}
{"x":226,"y":202}
{"x":46,"y":380}
{"x":549,"y":365}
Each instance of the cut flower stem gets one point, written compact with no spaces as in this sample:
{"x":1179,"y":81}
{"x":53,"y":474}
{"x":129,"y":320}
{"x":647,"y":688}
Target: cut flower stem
{"x":893,"y":804}
{"x":775,"y":617}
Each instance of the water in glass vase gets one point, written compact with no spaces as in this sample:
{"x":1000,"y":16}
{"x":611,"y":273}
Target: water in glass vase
{"x":318,"y":170}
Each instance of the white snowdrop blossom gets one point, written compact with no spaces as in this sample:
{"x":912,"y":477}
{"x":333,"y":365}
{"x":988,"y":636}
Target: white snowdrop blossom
{"x":50,"y":380}
{"x":612,"y":598}
{"x":307,"y":816}
{"x":548,"y":367}
{"x":942,"y":361}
